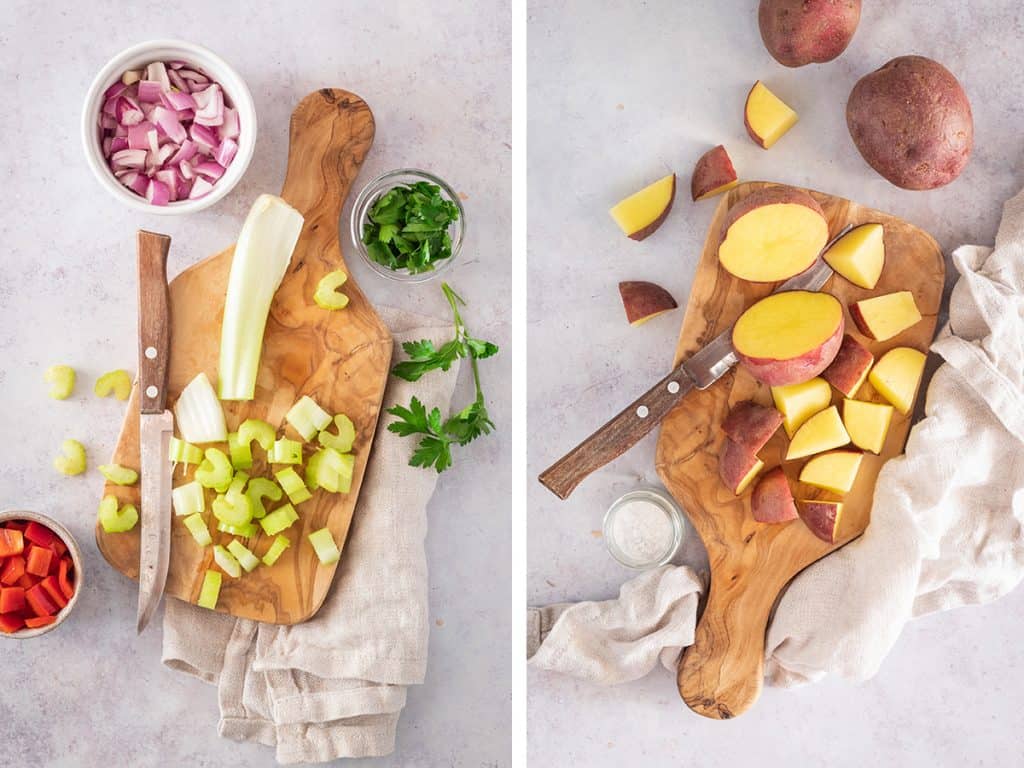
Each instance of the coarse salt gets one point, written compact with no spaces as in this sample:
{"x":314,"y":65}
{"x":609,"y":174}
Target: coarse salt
{"x":642,"y":531}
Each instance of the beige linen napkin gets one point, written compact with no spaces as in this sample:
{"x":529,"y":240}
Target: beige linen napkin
{"x":946,"y":525}
{"x":334,"y":686}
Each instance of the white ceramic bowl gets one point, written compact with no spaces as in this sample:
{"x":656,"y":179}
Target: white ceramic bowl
{"x":169,"y":50}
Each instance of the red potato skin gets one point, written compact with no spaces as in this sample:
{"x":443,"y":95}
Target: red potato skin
{"x":822,"y":518}
{"x":734,"y":464}
{"x":780,"y":195}
{"x":714,"y":169}
{"x":651,"y":228}
{"x":850,"y":367}
{"x":799,"y":32}
{"x":912,"y":122}
{"x":643,"y":300}
{"x":751,"y":425}
{"x":776,"y":373}
{"x":772,"y":500}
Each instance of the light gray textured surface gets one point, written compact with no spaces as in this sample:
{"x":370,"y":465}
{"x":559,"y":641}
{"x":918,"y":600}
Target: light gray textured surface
{"x":438,"y":81}
{"x":620,"y":94}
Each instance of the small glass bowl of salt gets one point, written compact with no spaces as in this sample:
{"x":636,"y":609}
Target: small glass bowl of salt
{"x":643,"y":529}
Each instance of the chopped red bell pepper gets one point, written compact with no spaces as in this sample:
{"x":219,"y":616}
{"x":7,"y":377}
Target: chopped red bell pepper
{"x":12,"y":599}
{"x":40,"y":534}
{"x":12,"y":542}
{"x":26,"y":581}
{"x":16,"y":525}
{"x":39,"y":601}
{"x":12,"y":570}
{"x":33,"y":622}
{"x":59,"y":548}
{"x":38,"y":562}
{"x":53,"y":590}
{"x":11,"y":623}
{"x":64,"y":579}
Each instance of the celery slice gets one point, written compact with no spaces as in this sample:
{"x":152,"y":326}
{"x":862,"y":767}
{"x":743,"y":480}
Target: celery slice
{"x":342,"y":442}
{"x":326,"y":295}
{"x":307,"y":417}
{"x":198,"y":413}
{"x":245,"y":531}
{"x":226,"y":561}
{"x":262,"y":254}
{"x":215,"y":471}
{"x":188,"y":499}
{"x":277,"y":548}
{"x":232,"y":508}
{"x":119,"y":475}
{"x":119,"y":382}
{"x":72,"y":462}
{"x":116,"y":520}
{"x":279,"y":520}
{"x":184,"y":453}
{"x":238,"y":482}
{"x":243,"y":555}
{"x":241,"y":453}
{"x":197,"y":527}
{"x":292,"y":484}
{"x":210,"y":590}
{"x":62,"y":377}
{"x":261,"y":488}
{"x":324,"y":546}
{"x":285,"y":451}
{"x":260,"y":431}
{"x":330,"y":470}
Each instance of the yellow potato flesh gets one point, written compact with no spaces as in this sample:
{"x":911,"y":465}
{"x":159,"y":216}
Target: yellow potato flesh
{"x":718,"y":190}
{"x":859,"y":255}
{"x":768,"y":116}
{"x":787,"y":325}
{"x":822,"y":432}
{"x":897,"y":375}
{"x":867,"y":423}
{"x":798,"y":402}
{"x":835,"y":471}
{"x":889,"y":315}
{"x":643,"y":208}
{"x":773,"y":242}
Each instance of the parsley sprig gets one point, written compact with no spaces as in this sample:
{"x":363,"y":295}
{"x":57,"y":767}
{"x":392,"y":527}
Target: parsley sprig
{"x":407,"y":227}
{"x":438,"y":434}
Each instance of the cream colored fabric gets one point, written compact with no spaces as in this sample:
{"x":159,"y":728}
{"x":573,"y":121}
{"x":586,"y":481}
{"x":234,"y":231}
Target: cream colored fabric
{"x":945,"y":528}
{"x":335,"y":685}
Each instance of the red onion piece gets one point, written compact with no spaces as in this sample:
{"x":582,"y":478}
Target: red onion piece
{"x":138,"y":135}
{"x":169,"y":179}
{"x":149,"y":91}
{"x":128,"y":113}
{"x":185,"y":152}
{"x":177,"y":81}
{"x":226,"y":152}
{"x":115,"y":90}
{"x":128,"y":158}
{"x":131,"y":76}
{"x":185,"y":169}
{"x":117,"y":143}
{"x":158,"y":72}
{"x":210,"y":170}
{"x":179,"y":101}
{"x":193,"y":76}
{"x":107,"y":123}
{"x":168,"y":122}
{"x":199,"y":188}
{"x":157,"y":193}
{"x":229,"y":128}
{"x":209,"y":106}
{"x":203,"y":136}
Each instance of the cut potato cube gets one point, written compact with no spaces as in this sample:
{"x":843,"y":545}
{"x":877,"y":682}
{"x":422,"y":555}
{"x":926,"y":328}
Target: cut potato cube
{"x":772,"y":501}
{"x":822,"y":432}
{"x":867,"y":423}
{"x":737,"y":467}
{"x":766,"y":116}
{"x":751,"y":425}
{"x":834,"y":471}
{"x":859,"y":255}
{"x":822,"y":517}
{"x":713,"y":174}
{"x":883,"y":317}
{"x":850,"y":368}
{"x":640,"y":214}
{"x":897,"y":375}
{"x":798,"y":402}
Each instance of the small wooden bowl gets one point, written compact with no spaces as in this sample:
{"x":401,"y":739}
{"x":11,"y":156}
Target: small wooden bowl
{"x":76,"y":559}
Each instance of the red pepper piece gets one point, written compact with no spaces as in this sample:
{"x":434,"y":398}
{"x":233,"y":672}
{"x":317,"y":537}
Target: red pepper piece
{"x":15,"y":525}
{"x":40,"y":534}
{"x":33,"y":622}
{"x":12,"y":570}
{"x":67,"y":588}
{"x":53,"y":590}
{"x":12,"y":599}
{"x":39,"y":601}
{"x":12,"y":542}
{"x":59,"y":548}
{"x":26,"y":581}
{"x":11,"y":623}
{"x":38,"y":562}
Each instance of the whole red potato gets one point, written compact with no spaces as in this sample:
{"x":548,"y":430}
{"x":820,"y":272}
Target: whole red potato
{"x":799,"y":32}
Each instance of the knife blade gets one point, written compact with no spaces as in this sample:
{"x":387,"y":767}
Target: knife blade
{"x":699,"y":371}
{"x":156,"y":423}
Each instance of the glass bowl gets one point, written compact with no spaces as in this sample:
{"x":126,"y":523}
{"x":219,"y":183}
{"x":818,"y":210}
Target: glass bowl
{"x":361,"y":213}
{"x":658,"y":501}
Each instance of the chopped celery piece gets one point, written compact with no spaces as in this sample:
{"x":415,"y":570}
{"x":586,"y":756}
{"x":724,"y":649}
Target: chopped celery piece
{"x":341,"y":442}
{"x":330,"y":470}
{"x":215,"y":471}
{"x":292,"y":484}
{"x":198,"y":413}
{"x":307,"y":417}
{"x":324,"y":546}
{"x":241,"y":453}
{"x":119,"y":475}
{"x":277,"y":548}
{"x":197,"y":527}
{"x":72,"y":462}
{"x":262,"y":254}
{"x":116,"y":520}
{"x":261,"y":488}
{"x":285,"y":451}
{"x":327,"y":295}
{"x":238,"y":483}
{"x":62,"y":377}
{"x":226,"y":561}
{"x":245,"y":531}
{"x":260,"y":431}
{"x":243,"y":555}
{"x":188,"y":499}
{"x":278,"y":520}
{"x":184,"y":453}
{"x":313,"y":470}
{"x":119,"y":382}
{"x":232,"y":508}
{"x":210,"y":590}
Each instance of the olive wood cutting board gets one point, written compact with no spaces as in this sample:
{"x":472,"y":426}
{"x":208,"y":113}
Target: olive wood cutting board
{"x":721,"y":674}
{"x":339,"y":358}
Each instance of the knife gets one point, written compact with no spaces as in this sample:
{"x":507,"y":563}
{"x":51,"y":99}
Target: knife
{"x":699,"y":371}
{"x":156,"y":424}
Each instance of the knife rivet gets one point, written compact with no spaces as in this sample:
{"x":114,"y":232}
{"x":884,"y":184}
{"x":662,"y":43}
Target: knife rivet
{"x":151,"y":353}
{"x":642,"y":411}
{"x":673,"y":387}
{"x":152,"y":391}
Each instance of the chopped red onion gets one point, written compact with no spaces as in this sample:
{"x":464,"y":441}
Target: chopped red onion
{"x":229,"y":128}
{"x":210,"y":170}
{"x":185,"y":169}
{"x":131,"y":76}
{"x":128,"y":158}
{"x":226,"y":152}
{"x":117,"y":143}
{"x":186,"y":151}
{"x":149,"y":91}
{"x":138,"y":135}
{"x":203,"y":136}
{"x":158,"y":72}
{"x":128,"y":112}
{"x":177,"y":80}
{"x":199,"y":188}
{"x":179,"y":101}
{"x":169,"y":179}
{"x":115,"y":90}
{"x":167,"y":121}
{"x":209,"y":106}
{"x":157,"y":193}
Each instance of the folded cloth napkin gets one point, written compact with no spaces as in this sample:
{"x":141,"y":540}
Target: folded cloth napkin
{"x":334,"y":686}
{"x":946,"y":525}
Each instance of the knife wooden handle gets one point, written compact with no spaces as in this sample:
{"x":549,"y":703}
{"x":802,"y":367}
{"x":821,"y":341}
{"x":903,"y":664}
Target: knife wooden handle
{"x":154,"y":321}
{"x":618,"y":435}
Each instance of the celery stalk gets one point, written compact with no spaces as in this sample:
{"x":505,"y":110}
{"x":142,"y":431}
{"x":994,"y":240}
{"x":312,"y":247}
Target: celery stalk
{"x":232,"y":508}
{"x":198,"y":413}
{"x":184,"y":453}
{"x":327,"y":295}
{"x":72,"y":460}
{"x":342,"y":442}
{"x":260,"y":431}
{"x":330,"y":470}
{"x":243,"y":555}
{"x":241,"y":453}
{"x":62,"y":377}
{"x":245,"y":531}
{"x":324,"y":546}
{"x":279,"y":520}
{"x":215,"y":471}
{"x":307,"y":417}
{"x":292,"y":484}
{"x":116,"y":520}
{"x":119,"y":382}
{"x":188,"y":499}
{"x":277,"y":548}
{"x":210,"y":590}
{"x":261,"y":488}
{"x":285,"y":451}
{"x":197,"y":527}
{"x":262,"y":254}
{"x":226,"y":561}
{"x":119,"y":475}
